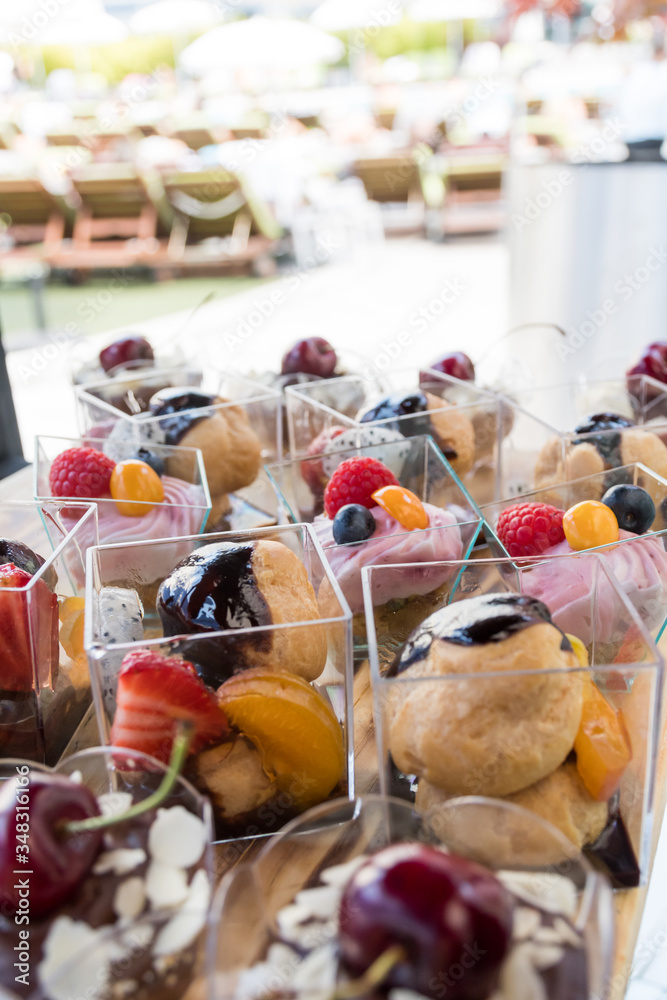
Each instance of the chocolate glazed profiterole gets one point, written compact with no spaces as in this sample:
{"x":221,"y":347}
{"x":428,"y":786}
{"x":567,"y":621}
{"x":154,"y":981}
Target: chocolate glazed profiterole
{"x":243,"y":585}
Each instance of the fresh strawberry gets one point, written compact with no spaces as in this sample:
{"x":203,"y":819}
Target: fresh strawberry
{"x":528,"y":529}
{"x":81,"y":472}
{"x":354,"y":481}
{"x":312,"y":472}
{"x":154,"y":693}
{"x":28,"y":631}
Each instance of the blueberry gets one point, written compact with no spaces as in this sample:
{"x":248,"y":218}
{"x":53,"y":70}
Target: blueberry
{"x":633,"y":507}
{"x":608,"y":443}
{"x":353,"y":523}
{"x":150,"y":458}
{"x":400,"y":404}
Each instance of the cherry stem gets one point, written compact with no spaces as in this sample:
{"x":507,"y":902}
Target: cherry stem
{"x":179,"y":752}
{"x":374,"y":975}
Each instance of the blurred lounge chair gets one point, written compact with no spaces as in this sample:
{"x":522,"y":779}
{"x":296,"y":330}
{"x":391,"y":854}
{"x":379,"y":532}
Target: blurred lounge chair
{"x":34,"y":218}
{"x":219,"y":222}
{"x":472,"y":197}
{"x":123,"y":220}
{"x":8,"y":132}
{"x":195,"y":130}
{"x":395,"y":182}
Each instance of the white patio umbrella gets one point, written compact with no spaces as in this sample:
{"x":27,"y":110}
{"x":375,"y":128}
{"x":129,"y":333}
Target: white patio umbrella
{"x":454,"y":10}
{"x":100,"y":29}
{"x":344,"y":15}
{"x":261,"y":42}
{"x":173,"y":17}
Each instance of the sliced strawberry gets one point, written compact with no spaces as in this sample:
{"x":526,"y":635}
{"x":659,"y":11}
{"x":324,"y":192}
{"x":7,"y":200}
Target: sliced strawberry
{"x":28,"y":631}
{"x":154,"y":693}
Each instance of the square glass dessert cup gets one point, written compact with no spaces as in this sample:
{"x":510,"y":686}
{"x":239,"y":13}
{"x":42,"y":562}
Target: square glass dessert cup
{"x":134,"y":921}
{"x":418,"y":464}
{"x":598,"y":425}
{"x":472,"y":426}
{"x":131,"y":353}
{"x":276,"y":929}
{"x":638,"y":561}
{"x":490,"y":696}
{"x":183,"y":511}
{"x":235,"y":422}
{"x":45,"y":686}
{"x":276,"y":666}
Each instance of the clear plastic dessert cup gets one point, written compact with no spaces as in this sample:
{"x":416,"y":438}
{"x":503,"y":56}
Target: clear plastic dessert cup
{"x":275,"y":926}
{"x":472,"y":426}
{"x":184,"y":510}
{"x":638,"y":562}
{"x":454,"y":520}
{"x":137,"y":924}
{"x":45,"y":689}
{"x":598,"y":425}
{"x":235,"y":422}
{"x":514,"y":714}
{"x":282,"y":675}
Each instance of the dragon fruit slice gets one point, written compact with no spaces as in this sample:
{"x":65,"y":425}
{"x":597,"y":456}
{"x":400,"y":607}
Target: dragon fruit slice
{"x":121,"y":620}
{"x":393,"y":457}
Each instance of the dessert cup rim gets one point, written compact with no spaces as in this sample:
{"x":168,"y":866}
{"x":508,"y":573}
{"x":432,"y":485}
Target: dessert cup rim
{"x":89,"y":513}
{"x":197,"y":454}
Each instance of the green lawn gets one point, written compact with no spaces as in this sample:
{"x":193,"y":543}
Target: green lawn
{"x":107,"y":303}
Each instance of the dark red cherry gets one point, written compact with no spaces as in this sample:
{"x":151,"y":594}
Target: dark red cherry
{"x":652,"y":362}
{"x":447,"y":914}
{"x":123,"y":353}
{"x":32,"y":816}
{"x":456,"y":364}
{"x":314,"y":356}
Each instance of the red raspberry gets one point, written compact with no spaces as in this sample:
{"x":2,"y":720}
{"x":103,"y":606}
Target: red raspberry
{"x":354,"y":481}
{"x":81,"y":472}
{"x":528,"y":529}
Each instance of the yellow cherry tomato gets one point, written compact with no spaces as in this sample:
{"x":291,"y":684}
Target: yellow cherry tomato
{"x":136,"y":488}
{"x":402,"y":505}
{"x":589,"y":524}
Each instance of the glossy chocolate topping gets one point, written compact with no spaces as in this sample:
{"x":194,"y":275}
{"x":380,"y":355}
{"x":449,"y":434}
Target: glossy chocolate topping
{"x":400,"y":404}
{"x":609,"y":441}
{"x":212,"y":590}
{"x":473,"y":622}
{"x":182,"y":407}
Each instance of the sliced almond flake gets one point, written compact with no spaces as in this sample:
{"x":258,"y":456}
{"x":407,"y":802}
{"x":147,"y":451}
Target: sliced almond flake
{"x":129,"y":898}
{"x":526,"y":921}
{"x":76,"y":777}
{"x":165,"y":885}
{"x":567,"y":932}
{"x":547,"y":935}
{"x":60,"y":977}
{"x":401,"y":994}
{"x":340,"y":875}
{"x":114,"y":803}
{"x":120,"y":861}
{"x":124,"y":988}
{"x":544,"y":890}
{"x":544,"y":956}
{"x":177,"y":837}
{"x":317,"y":971}
{"x":190,"y":920}
{"x":138,"y":937}
{"x":321,"y":903}
{"x":518,"y":978}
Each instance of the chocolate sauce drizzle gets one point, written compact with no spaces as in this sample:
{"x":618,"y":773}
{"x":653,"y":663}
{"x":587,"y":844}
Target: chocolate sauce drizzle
{"x":474,"y":622}
{"x":211,"y":590}
{"x":608,"y":444}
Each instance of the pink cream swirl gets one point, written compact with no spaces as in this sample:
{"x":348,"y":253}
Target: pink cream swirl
{"x":392,"y":543}
{"x":182,"y":512}
{"x":582,"y":600}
